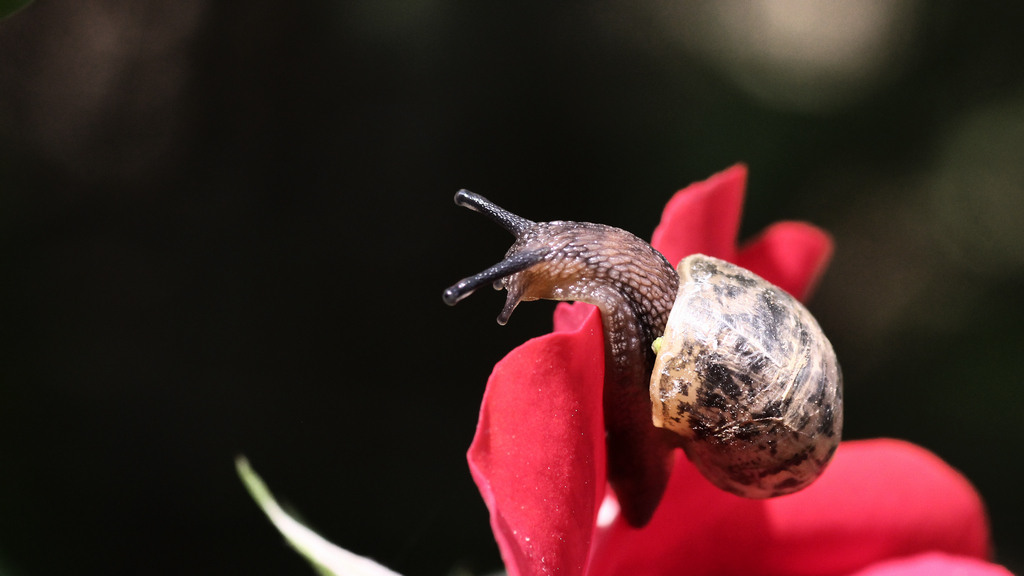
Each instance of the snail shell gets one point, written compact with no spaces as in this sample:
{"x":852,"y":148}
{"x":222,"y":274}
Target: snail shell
{"x":746,"y":377}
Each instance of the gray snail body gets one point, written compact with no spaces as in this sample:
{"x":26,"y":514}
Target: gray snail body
{"x":744,"y":380}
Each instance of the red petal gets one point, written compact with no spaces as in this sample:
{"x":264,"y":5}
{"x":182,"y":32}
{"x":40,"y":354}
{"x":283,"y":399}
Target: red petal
{"x":538,"y":457}
{"x":879,"y":499}
{"x":703,"y":218}
{"x":934,"y":564}
{"x":698,"y":529}
{"x":791,"y":255}
{"x":571,"y":317}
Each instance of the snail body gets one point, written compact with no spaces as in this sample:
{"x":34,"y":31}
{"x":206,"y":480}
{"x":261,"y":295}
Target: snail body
{"x":744,"y":380}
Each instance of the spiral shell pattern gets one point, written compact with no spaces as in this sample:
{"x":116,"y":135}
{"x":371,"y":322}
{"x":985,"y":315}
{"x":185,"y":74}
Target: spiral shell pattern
{"x":748,"y":380}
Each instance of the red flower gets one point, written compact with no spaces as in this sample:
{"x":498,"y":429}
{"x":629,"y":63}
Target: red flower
{"x":883,"y":507}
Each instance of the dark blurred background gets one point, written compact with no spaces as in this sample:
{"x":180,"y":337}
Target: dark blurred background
{"x":226,"y":227}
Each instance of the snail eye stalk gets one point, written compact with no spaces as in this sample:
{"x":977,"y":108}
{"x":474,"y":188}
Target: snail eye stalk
{"x":517,"y":225}
{"x":493,"y":275}
{"x":523,"y":254}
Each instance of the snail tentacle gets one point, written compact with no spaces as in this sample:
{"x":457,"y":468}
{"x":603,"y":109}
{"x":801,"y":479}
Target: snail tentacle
{"x":507,"y":220}
{"x":495,"y":274}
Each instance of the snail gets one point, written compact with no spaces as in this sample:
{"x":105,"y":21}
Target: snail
{"x":711,"y":358}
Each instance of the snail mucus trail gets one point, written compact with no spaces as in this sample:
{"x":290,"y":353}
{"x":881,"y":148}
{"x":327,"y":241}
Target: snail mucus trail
{"x":743,"y":381}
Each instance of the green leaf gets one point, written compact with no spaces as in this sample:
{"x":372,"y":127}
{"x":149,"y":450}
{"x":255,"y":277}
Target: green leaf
{"x":326,"y":558}
{"x":8,"y":7}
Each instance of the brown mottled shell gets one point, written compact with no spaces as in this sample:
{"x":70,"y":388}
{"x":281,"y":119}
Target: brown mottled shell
{"x":748,"y":380}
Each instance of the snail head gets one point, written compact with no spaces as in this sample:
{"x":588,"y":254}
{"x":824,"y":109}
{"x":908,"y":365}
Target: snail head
{"x":544,"y":262}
